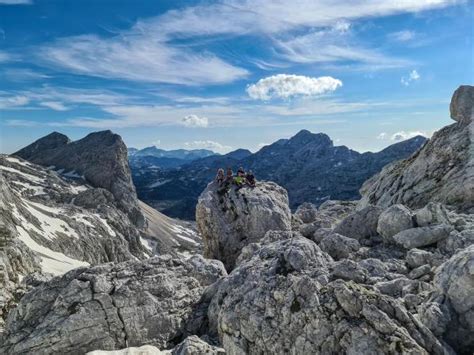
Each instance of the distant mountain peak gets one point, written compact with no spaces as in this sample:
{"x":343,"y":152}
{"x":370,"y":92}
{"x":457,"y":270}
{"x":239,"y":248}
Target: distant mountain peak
{"x":304,"y":137}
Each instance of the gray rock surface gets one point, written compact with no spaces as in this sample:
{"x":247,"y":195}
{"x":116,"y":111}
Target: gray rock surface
{"x":228,"y":223}
{"x":393,"y":220}
{"x":441,"y":171}
{"x":192,"y":345}
{"x":113,"y":306}
{"x":338,"y":246}
{"x":462,"y":104}
{"x":432,"y":213}
{"x":422,"y":236}
{"x":360,"y":224}
{"x":450,"y":311}
{"x":279,"y":300}
{"x":100,"y":157}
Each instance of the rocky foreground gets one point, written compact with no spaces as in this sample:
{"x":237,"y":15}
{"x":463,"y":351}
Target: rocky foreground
{"x":373,"y":277}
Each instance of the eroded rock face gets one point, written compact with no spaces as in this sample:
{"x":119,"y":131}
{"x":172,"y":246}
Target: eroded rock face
{"x":450,"y":311}
{"x":113,"y":306}
{"x":229,"y":222}
{"x":100,"y":157}
{"x":280,"y":300}
{"x":441,"y":171}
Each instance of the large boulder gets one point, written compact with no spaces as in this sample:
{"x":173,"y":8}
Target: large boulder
{"x":112,"y":306}
{"x":393,"y":220}
{"x":228,"y":222}
{"x":441,"y":171}
{"x":360,"y":224}
{"x":450,"y":311}
{"x":279,"y":301}
{"x":422,"y":236}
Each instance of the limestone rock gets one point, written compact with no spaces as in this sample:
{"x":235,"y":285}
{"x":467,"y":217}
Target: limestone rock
{"x":417,"y":257}
{"x":422,"y":236}
{"x":393,"y":220}
{"x":229,"y":222}
{"x":100,"y":158}
{"x":112,"y":306}
{"x":462,"y":103}
{"x":441,"y":171}
{"x":450,"y":312}
{"x":338,"y":246}
{"x":360,"y":224}
{"x":432,"y":213}
{"x":192,"y":345}
{"x":279,"y":301}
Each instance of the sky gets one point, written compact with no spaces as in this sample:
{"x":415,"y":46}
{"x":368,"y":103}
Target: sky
{"x":231,"y":74}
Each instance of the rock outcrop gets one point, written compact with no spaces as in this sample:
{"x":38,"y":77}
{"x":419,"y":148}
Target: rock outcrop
{"x":281,"y":299}
{"x":228,"y":222}
{"x":449,"y":312}
{"x":442,"y":171}
{"x":100,"y":158}
{"x":113,"y":306}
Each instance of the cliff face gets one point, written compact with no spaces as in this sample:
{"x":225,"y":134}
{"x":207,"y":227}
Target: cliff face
{"x":100,"y":158}
{"x":442,"y":171}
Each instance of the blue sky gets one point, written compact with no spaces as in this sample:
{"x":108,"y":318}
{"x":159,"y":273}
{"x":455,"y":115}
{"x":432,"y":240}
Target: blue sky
{"x":230,"y":74}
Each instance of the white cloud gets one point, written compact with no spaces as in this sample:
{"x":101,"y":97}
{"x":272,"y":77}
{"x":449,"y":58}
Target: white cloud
{"x":402,"y":36}
{"x":208,"y":144}
{"x":22,"y":74}
{"x":382,"y":136}
{"x":402,"y":135}
{"x":139,"y":57}
{"x":13,"y":101}
{"x":412,"y":76}
{"x":5,"y":57}
{"x":285,"y":86}
{"x":16,"y":2}
{"x":194,"y":121}
{"x":54,"y":105}
{"x":332,"y":45}
{"x":156,"y":143}
{"x":148,"y":52}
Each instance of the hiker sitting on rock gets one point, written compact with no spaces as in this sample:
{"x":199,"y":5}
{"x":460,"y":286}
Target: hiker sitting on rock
{"x":227,"y":183}
{"x":220,"y":176}
{"x":250,"y":179}
{"x":239,"y":180}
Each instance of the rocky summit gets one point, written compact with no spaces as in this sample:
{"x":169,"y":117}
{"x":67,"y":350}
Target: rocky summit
{"x":228,"y":222}
{"x":390,"y":274}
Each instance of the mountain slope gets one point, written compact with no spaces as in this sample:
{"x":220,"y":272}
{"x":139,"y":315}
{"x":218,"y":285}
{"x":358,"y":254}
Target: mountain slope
{"x":308,"y":165}
{"x":100,"y":158}
{"x":442,"y":171}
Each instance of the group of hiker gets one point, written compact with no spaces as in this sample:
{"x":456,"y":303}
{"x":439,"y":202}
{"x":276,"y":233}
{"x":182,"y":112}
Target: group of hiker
{"x":240,"y":180}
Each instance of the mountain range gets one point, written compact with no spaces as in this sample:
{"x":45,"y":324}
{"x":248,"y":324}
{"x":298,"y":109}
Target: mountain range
{"x":308,"y":165}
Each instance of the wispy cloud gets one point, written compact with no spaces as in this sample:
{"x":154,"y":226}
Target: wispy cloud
{"x":16,"y":2}
{"x":149,"y":52}
{"x":410,"y":78}
{"x":402,"y":36}
{"x":401,"y":135}
{"x":23,"y":74}
{"x":7,"y":102}
{"x":208,"y":144}
{"x":54,"y":105}
{"x":285,"y":86}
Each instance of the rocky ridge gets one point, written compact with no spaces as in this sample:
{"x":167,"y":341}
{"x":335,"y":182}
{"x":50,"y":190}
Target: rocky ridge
{"x":442,"y":171}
